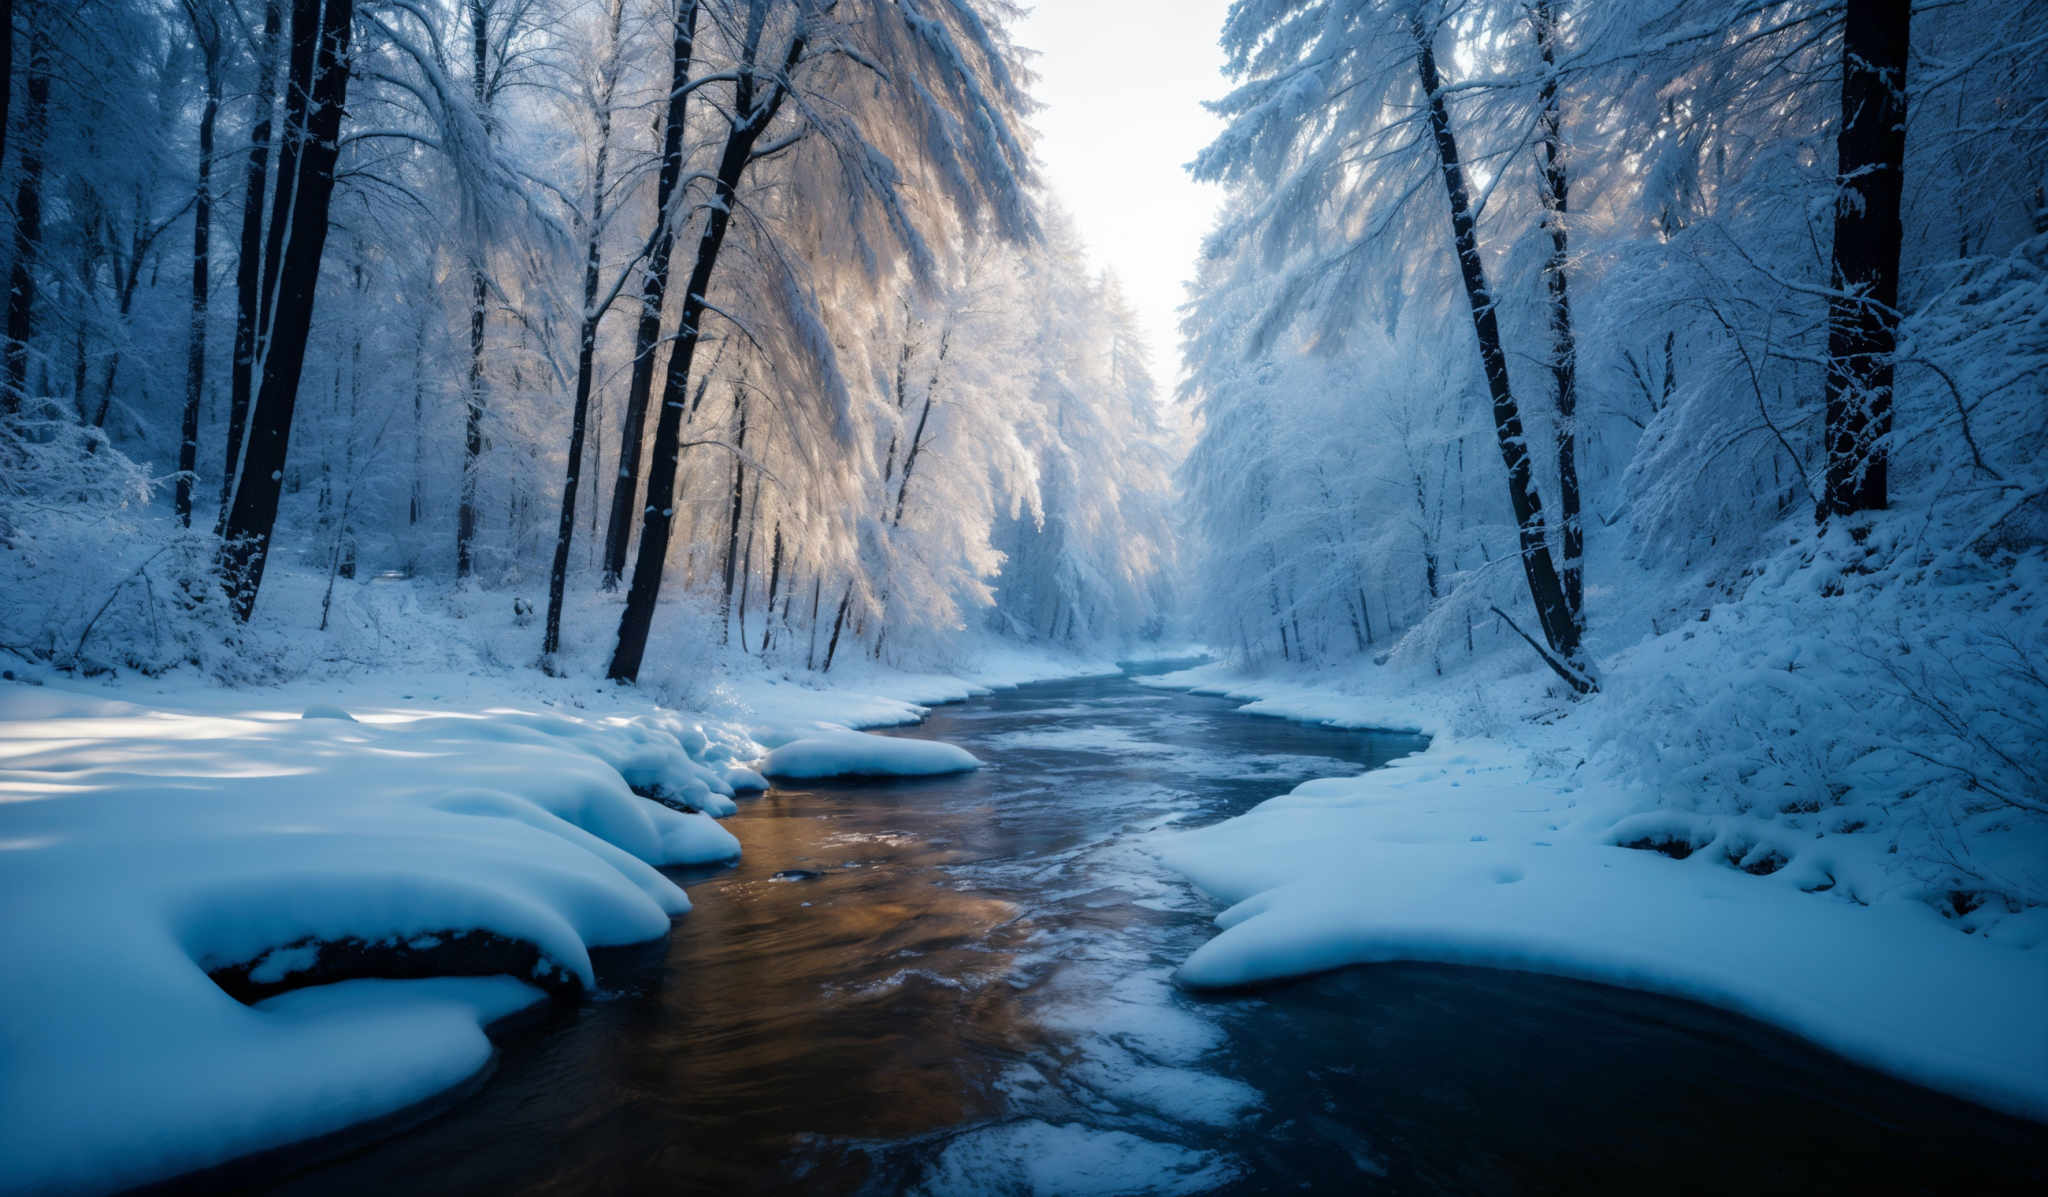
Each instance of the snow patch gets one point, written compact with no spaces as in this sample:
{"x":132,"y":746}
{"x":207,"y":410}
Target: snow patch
{"x":845,"y":753}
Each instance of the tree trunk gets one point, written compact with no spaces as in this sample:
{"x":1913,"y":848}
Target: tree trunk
{"x":1555,"y":190}
{"x":653,"y":293}
{"x":811,"y":654}
{"x":195,"y":347}
{"x":732,"y":523}
{"x":479,"y":295}
{"x":838,"y":622}
{"x":250,"y":270}
{"x":317,"y":83}
{"x":6,"y":77}
{"x":1545,"y":588}
{"x":586,"y":347}
{"x":774,"y":582}
{"x":931,"y":391}
{"x":1870,"y":152}
{"x":750,"y":118}
{"x":28,"y":220}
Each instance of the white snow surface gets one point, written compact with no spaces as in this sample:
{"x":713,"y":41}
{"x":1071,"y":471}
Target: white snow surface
{"x":1505,"y":851}
{"x":847,"y":753}
{"x":142,"y":846}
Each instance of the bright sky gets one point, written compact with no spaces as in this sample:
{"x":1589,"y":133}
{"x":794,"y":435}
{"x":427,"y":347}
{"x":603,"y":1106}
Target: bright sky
{"x":1122,"y":82}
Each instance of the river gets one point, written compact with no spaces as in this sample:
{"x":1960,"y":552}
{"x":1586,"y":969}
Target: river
{"x":964,"y":984}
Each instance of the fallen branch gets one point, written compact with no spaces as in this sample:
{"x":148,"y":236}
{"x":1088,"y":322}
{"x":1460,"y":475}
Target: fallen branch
{"x":1578,"y":679}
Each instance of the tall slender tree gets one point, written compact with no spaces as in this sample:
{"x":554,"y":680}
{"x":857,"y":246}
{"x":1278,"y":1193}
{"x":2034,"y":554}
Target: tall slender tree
{"x":28,"y":215}
{"x":316,"y":90}
{"x":758,"y":93}
{"x":250,"y":299}
{"x":602,"y":99}
{"x":1553,"y":610}
{"x":207,"y":34}
{"x":1863,"y":316}
{"x":653,"y":291}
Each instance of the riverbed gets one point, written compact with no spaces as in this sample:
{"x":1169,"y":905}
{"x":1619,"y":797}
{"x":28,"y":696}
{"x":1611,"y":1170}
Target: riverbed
{"x":964,"y":984}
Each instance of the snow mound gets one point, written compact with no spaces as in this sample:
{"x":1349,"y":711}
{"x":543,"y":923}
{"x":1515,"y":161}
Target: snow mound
{"x":1476,"y":855}
{"x":155,"y":859}
{"x":843,"y":753}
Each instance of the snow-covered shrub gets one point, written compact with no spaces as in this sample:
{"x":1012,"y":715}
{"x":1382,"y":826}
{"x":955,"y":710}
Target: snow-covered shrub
{"x":1851,"y":686}
{"x":93,"y":580}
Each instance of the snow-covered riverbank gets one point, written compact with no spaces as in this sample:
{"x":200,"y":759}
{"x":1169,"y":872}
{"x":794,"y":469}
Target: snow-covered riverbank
{"x":169,"y":846}
{"x":1505,"y":844}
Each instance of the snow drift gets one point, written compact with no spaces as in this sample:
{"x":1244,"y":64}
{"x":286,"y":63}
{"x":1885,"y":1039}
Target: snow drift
{"x":842,"y":753}
{"x":1473,"y":853}
{"x":152,"y":857}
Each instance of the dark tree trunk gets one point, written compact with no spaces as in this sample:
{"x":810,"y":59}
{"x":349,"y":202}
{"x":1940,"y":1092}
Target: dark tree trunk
{"x":653,"y":293}
{"x":28,"y":220}
{"x":479,"y":295}
{"x":195,"y":347}
{"x":317,"y":83}
{"x":931,"y":392}
{"x":750,"y":117}
{"x":838,"y":622}
{"x":6,"y":76}
{"x":1870,"y":152}
{"x":586,"y":349}
{"x":1545,"y":588}
{"x":732,"y":523}
{"x":1555,"y":188}
{"x":472,"y":427}
{"x":747,"y":565}
{"x":774,"y":583}
{"x":250,"y":270}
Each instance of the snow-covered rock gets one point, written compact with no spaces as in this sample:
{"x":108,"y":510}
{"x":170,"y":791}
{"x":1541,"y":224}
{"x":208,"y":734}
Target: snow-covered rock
{"x":842,"y":753}
{"x":143,"y":849}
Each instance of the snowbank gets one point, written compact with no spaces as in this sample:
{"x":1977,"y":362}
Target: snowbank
{"x":1522,"y":855}
{"x":846,"y":753}
{"x":152,"y":856}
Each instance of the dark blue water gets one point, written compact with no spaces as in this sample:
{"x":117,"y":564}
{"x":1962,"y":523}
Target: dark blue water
{"x":963,"y":985}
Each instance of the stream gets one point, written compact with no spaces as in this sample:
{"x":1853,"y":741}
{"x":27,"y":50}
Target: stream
{"x":963,"y":984}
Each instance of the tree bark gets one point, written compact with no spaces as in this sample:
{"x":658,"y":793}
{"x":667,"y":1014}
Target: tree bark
{"x":732,"y":523}
{"x":1545,"y":588}
{"x":317,"y":83}
{"x":28,"y":220}
{"x":1870,"y":152}
{"x":479,"y":294}
{"x":586,"y":346}
{"x":653,"y":293}
{"x":774,"y":582}
{"x":838,"y":622}
{"x":1554,"y":185}
{"x":931,"y":391}
{"x":6,"y":77}
{"x":751,"y":116}
{"x":195,"y":347}
{"x":249,"y":264}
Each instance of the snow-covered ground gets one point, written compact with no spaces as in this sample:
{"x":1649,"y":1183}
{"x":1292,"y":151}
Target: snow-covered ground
{"x":1506,"y":844}
{"x":193,"y":877}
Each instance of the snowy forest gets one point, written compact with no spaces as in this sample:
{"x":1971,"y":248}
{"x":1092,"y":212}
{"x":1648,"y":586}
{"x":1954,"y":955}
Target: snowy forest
{"x":1694,"y":350}
{"x":634,"y":595}
{"x":720,"y":303}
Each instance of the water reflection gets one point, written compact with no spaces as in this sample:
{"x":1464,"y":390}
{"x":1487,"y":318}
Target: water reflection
{"x":964,"y":984}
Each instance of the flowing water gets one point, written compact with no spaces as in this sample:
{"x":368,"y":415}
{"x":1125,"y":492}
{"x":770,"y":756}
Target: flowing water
{"x":964,"y":985}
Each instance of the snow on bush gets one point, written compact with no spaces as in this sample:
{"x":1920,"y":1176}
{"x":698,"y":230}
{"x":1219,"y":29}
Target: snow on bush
{"x":1880,"y":690}
{"x":92,"y":581}
{"x":156,"y":859}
